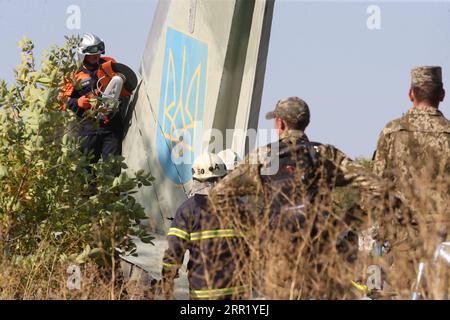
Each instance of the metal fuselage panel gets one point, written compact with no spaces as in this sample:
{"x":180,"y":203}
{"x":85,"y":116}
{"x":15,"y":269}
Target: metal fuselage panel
{"x":203,"y":67}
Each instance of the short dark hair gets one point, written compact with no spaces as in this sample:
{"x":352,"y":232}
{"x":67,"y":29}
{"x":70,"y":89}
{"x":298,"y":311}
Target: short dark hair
{"x":301,"y":125}
{"x":428,"y":92}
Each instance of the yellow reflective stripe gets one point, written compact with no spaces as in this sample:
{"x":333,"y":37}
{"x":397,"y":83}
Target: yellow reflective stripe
{"x":178,"y":233}
{"x":215,"y":230}
{"x":206,"y":234}
{"x":216,"y":236}
{"x":220,"y":233}
{"x":361,"y":287}
{"x":218,"y":292}
{"x":170,"y":265}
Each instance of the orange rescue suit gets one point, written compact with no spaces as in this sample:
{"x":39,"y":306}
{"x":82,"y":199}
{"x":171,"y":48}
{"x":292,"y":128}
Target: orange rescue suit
{"x":105,"y":73}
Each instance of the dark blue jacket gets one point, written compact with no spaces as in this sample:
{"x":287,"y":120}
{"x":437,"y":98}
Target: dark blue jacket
{"x":212,"y":267}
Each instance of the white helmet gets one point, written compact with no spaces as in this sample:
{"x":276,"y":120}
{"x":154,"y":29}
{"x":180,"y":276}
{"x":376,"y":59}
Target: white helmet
{"x":230,"y":158}
{"x":207,"y":166}
{"x":90,"y":45}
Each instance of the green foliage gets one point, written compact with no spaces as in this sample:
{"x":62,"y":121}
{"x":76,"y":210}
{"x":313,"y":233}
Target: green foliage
{"x":48,"y":191}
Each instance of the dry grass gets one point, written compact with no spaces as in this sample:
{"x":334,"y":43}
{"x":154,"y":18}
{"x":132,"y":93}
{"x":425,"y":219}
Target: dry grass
{"x":307,"y":258}
{"x":39,"y":282}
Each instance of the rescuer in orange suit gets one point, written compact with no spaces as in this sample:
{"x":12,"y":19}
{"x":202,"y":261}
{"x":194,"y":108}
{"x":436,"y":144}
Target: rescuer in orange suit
{"x":102,"y":134}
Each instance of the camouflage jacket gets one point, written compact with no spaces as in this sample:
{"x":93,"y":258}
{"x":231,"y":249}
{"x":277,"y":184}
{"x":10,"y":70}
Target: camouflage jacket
{"x":416,"y":146}
{"x":242,"y":198}
{"x":413,"y":152}
{"x":246,"y":178}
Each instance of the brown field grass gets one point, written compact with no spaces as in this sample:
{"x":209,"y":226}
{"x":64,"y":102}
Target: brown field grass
{"x":313,"y":260}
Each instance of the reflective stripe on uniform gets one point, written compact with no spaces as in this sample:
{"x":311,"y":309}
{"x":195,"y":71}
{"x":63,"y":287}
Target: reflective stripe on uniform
{"x":170,"y":265}
{"x":179,"y":233}
{"x":204,"y":294}
{"x":219,"y":233}
{"x":206,"y":234}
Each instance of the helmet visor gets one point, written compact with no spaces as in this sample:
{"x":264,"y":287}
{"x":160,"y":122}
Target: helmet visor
{"x":94,"y":49}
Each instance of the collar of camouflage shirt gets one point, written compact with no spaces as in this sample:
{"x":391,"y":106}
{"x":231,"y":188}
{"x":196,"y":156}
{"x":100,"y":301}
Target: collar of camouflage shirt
{"x":428,"y":110}
{"x":293,"y":134}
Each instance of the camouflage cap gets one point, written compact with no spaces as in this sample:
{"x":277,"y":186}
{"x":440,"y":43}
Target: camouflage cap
{"x":423,"y":75}
{"x":293,"y":110}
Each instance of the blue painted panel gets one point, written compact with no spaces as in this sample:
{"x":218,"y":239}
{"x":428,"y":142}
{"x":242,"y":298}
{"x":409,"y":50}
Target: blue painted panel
{"x":181,"y":104}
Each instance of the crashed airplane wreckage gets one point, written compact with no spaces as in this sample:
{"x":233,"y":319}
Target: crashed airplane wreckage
{"x":203,"y":67}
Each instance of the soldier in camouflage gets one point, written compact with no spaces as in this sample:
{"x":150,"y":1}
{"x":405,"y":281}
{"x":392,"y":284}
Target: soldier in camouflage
{"x":292,"y":116}
{"x":413,"y":153}
{"x":319,"y":169}
{"x":417,"y":145}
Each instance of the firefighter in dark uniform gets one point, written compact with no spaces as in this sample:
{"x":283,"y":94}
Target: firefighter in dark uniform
{"x":101,"y":133}
{"x":212,"y":265}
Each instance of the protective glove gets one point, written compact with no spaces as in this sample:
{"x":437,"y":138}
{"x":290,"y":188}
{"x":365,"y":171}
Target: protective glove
{"x":84,"y":103}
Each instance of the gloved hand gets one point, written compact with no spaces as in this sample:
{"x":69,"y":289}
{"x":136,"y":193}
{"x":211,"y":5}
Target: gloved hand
{"x":83,"y":102}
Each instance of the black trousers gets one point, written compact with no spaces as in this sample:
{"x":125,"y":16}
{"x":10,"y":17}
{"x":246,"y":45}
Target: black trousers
{"x":102,"y":144}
